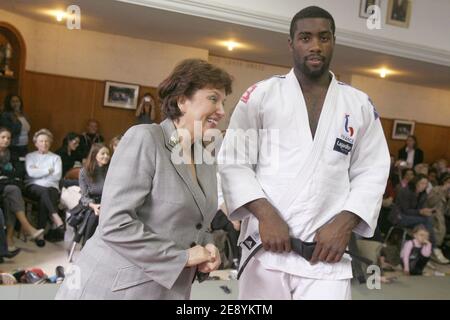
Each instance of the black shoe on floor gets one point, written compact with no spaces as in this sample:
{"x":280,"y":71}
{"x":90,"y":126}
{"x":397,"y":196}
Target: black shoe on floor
{"x":59,"y":274}
{"x":40,"y":242}
{"x":12,"y":254}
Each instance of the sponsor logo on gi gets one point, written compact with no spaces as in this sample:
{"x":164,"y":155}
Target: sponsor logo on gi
{"x":342,"y":146}
{"x":246,"y":96}
{"x":348,"y":129}
{"x":249,"y":242}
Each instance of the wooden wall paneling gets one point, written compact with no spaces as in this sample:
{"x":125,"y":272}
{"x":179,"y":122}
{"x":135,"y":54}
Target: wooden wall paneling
{"x":434,"y":140}
{"x":63,"y":104}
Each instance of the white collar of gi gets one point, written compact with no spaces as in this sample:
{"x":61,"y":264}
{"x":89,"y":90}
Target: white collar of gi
{"x":292,"y":75}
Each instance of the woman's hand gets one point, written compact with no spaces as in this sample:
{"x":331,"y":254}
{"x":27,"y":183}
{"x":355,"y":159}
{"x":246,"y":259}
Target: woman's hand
{"x":198,"y":255}
{"x":95,"y":207}
{"x":207,"y":267}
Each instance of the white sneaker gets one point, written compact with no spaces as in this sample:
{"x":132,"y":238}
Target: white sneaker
{"x":439,"y":257}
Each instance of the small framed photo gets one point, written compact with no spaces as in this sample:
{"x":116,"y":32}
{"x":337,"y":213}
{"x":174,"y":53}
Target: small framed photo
{"x":399,"y":13}
{"x":402,"y":129}
{"x":121,"y":95}
{"x":364,"y":6}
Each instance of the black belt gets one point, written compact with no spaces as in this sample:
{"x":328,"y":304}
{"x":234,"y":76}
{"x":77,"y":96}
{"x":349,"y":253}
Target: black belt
{"x":303,"y":249}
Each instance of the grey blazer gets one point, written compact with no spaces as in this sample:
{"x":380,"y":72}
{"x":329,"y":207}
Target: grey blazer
{"x":151,"y":213}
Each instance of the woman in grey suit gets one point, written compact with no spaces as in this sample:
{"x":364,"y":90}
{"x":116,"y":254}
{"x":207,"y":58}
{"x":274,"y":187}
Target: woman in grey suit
{"x":158,"y":200}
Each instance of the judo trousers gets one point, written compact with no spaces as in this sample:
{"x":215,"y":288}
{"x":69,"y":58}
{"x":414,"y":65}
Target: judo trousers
{"x":259,"y":283}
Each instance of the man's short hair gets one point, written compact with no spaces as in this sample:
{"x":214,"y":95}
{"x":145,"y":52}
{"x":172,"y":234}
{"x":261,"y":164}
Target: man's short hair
{"x":311,"y":12}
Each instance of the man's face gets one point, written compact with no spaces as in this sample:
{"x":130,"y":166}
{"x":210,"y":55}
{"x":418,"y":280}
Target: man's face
{"x":312,"y":46}
{"x":92,"y":127}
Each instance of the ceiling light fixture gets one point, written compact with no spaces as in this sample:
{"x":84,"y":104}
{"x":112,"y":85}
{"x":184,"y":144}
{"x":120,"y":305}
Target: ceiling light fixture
{"x":60,"y":15}
{"x":231,"y":45}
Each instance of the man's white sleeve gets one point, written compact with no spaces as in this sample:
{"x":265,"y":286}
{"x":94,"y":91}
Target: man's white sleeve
{"x":368,"y":172}
{"x":238,"y":156}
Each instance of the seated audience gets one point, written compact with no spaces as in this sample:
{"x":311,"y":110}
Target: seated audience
{"x":439,"y":200}
{"x":44,"y":170}
{"x":13,"y":204}
{"x":410,"y":206}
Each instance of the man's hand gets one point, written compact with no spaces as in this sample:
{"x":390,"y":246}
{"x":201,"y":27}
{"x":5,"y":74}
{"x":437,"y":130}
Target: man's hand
{"x":332,"y":239}
{"x":426,"y":212}
{"x":273,"y":230}
{"x":214,"y":264}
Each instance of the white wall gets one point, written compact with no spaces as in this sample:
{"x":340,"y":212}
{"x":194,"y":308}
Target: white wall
{"x":93,"y":55}
{"x":396,"y":100}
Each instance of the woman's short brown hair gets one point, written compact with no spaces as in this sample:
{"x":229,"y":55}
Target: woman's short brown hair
{"x":188,"y":77}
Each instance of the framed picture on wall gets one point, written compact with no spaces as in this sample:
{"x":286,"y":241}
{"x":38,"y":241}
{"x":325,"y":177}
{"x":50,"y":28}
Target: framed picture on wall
{"x":399,"y":13}
{"x":121,"y":95}
{"x":364,"y":6}
{"x":402,"y":129}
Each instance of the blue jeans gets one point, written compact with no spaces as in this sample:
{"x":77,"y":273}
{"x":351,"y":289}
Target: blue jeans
{"x":412,"y":221}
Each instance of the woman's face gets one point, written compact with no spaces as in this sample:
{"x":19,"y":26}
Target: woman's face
{"x":73,"y":144}
{"x":102,"y":157}
{"x":421,"y":185}
{"x":5,"y":139}
{"x":115,"y":144}
{"x":15,"y":104}
{"x":409,"y":175}
{"x":205,"y":107}
{"x":43,"y":143}
{"x":410,"y":142}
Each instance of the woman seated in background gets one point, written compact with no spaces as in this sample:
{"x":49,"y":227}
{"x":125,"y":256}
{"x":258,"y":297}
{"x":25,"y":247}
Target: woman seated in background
{"x":14,"y":119}
{"x":44,"y":170}
{"x":69,"y":156}
{"x":407,"y":176}
{"x":92,"y":179}
{"x":13,"y":204}
{"x":114,"y":143}
{"x":410,"y":206}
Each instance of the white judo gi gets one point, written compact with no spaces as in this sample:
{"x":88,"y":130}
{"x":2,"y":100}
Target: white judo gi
{"x":309,"y":181}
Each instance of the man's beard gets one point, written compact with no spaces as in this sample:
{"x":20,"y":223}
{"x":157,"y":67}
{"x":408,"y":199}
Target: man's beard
{"x":312,"y":74}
